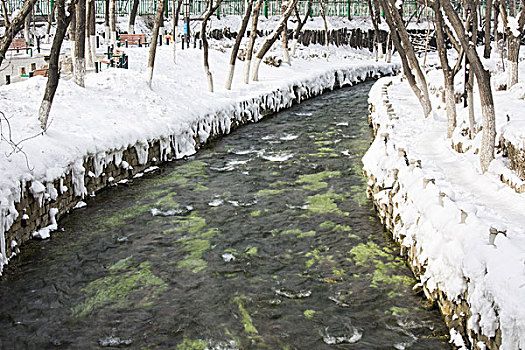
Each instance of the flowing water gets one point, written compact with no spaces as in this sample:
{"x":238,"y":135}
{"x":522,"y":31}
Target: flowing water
{"x":263,"y":240}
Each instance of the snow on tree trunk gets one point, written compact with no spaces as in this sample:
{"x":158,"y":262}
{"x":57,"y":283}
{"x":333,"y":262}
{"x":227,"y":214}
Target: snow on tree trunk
{"x":272,"y":38}
{"x":388,"y":49}
{"x":251,"y":42}
{"x":52,"y":72}
{"x":450,"y":103}
{"x":80,"y":43}
{"x":238,"y":39}
{"x":154,"y":39}
{"x":133,"y":16}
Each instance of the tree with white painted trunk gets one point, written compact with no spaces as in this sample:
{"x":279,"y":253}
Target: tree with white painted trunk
{"x":322,"y":6}
{"x":14,"y":27}
{"x":284,"y":37}
{"x":300,"y":25}
{"x":483,"y":81}
{"x":79,"y":72}
{"x":154,"y":41}
{"x":411,"y":68}
{"x":513,"y":29}
{"x":91,"y":39}
{"x":375,"y":16}
{"x":238,"y":39}
{"x":63,"y":21}
{"x":205,"y":47}
{"x":270,"y":40}
{"x":251,"y":42}
{"x":133,"y":16}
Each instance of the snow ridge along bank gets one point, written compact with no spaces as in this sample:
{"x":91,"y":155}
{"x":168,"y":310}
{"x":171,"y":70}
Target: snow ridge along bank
{"x":112,"y":142}
{"x":461,"y":230}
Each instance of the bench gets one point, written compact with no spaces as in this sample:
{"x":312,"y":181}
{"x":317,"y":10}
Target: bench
{"x":42,"y":72}
{"x":133,"y":39}
{"x":116,"y":59}
{"x":19,"y":44}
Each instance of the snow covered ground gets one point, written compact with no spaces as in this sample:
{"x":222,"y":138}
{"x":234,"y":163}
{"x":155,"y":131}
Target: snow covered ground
{"x":468,"y":228}
{"x":116,"y":110}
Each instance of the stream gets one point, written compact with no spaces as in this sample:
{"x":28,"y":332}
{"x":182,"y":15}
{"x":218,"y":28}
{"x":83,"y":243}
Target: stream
{"x":263,"y":240}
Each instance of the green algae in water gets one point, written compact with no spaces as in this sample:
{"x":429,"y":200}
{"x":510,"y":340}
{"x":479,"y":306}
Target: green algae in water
{"x":317,"y":256}
{"x":325,"y":203}
{"x":191,"y":224}
{"x":251,"y":251}
{"x":188,"y":344}
{"x":331,"y":226}
{"x":255,"y":213}
{"x":309,"y":314}
{"x":269,"y":192}
{"x":247,"y":321}
{"x":193,"y":260}
{"x":117,"y":290}
{"x":184,"y":175}
{"x":314,"y":182}
{"x":122,"y":215}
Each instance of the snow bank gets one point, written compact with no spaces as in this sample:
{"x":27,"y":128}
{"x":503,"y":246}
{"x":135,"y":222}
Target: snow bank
{"x":463,"y":231}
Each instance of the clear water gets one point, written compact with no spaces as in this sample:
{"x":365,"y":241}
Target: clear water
{"x":264,"y":240}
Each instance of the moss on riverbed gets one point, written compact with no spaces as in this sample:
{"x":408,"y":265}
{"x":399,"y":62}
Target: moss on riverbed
{"x":125,"y":286}
{"x":315,"y":182}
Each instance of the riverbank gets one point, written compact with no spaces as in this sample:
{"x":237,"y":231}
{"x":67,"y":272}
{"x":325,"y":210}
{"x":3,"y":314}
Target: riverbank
{"x":462,"y":231}
{"x":116,"y":127}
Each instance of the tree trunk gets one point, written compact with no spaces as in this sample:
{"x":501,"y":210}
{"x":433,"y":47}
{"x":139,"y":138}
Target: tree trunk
{"x":154,"y":39}
{"x":211,"y":10}
{"x":300,"y":25}
{"x":80,"y":43}
{"x":407,"y":54}
{"x":16,"y":26}
{"x":52,"y":72}
{"x":513,"y":43}
{"x":448,"y":74}
{"x":472,"y":27}
{"x":90,"y":34}
{"x":495,"y":29}
{"x":483,"y":79}
{"x":72,"y":37}
{"x":488,"y":18}
{"x":176,"y":11}
{"x":238,"y":39}
{"x":107,"y":31}
{"x":284,"y":38}
{"x":49,"y":22}
{"x":113,"y":22}
{"x":132,"y":16}
{"x":272,"y":38}
{"x":27,"y":29}
{"x":5,"y":14}
{"x":251,"y":43}
{"x":375,"y":16}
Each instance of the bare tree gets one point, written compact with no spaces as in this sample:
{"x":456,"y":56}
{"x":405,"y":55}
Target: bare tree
{"x":52,"y":81}
{"x":448,"y":73}
{"x":14,"y":27}
{"x":5,"y":14}
{"x":106,"y":22}
{"x":79,"y":72}
{"x":488,"y":20}
{"x":176,"y":11}
{"x":27,"y":28}
{"x":483,"y":79}
{"x":113,"y":22}
{"x":300,"y":25}
{"x":375,"y":15}
{"x":49,"y":22}
{"x":154,"y":41}
{"x":284,"y":36}
{"x":133,"y":16}
{"x":238,"y":39}
{"x":272,"y":38}
{"x":91,"y":34}
{"x":513,"y":31}
{"x":251,"y":43}
{"x":72,"y":37}
{"x":411,"y":67}
{"x":211,"y":9}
